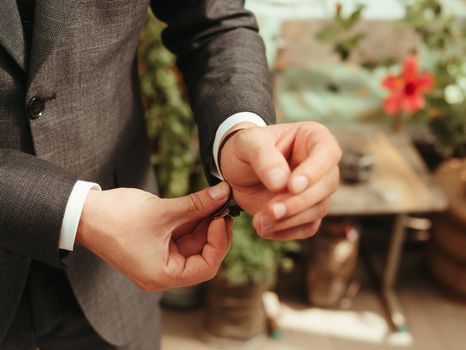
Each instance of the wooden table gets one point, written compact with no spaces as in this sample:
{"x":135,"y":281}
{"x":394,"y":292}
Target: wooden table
{"x":399,"y":185}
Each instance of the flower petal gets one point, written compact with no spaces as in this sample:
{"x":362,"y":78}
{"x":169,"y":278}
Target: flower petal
{"x":393,"y":83}
{"x":410,"y":68}
{"x":393,"y":104}
{"x":413,"y":103}
{"x":425,"y":82}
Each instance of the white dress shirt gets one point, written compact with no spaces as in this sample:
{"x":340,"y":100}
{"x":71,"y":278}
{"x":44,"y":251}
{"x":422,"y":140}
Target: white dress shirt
{"x":80,"y":190}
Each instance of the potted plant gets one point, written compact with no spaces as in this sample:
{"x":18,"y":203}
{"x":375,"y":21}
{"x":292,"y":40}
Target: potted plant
{"x":331,"y":261}
{"x":443,"y":47}
{"x":234,"y":297}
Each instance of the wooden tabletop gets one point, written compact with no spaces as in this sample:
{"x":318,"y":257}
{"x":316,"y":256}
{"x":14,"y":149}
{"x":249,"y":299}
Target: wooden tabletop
{"x":399,"y":182}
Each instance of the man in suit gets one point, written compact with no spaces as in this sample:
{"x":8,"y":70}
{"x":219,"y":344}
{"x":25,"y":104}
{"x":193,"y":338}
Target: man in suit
{"x":84,"y":243}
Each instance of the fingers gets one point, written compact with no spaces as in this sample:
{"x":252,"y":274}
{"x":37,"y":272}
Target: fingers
{"x":204,"y":266}
{"x":321,"y":154}
{"x":287,"y":211}
{"x":306,"y":217}
{"x":257,"y":147}
{"x":218,"y":242}
{"x":299,"y":232}
{"x":198,"y":205}
{"x":193,"y":242}
{"x":293,"y":205}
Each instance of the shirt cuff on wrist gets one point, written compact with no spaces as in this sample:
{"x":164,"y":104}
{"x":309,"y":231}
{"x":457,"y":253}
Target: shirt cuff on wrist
{"x":230,"y":122}
{"x":73,"y":211}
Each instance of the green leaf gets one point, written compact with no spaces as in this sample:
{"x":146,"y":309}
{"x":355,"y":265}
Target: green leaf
{"x":354,"y":17}
{"x":328,"y":34}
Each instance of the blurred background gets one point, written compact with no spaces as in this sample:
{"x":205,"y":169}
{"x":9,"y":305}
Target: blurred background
{"x":387,"y":270}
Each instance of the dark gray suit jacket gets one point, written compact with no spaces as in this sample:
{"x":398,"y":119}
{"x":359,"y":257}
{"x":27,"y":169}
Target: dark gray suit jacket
{"x":87,"y":122}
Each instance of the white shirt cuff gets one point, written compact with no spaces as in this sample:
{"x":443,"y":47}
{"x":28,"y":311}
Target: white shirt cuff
{"x":241,"y":117}
{"x":73,"y":211}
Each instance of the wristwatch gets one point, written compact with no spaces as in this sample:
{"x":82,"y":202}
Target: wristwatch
{"x":229,"y":208}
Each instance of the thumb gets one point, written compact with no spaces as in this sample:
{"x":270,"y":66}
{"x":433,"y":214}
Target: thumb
{"x":201,"y":204}
{"x":258,"y":147}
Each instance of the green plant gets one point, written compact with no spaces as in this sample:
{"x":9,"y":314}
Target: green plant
{"x":339,"y":32}
{"x":252,"y":259}
{"x":444,"y":43}
{"x":169,"y":117}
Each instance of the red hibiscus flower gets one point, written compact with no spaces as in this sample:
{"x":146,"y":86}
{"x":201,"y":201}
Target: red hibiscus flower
{"x":407,"y":89}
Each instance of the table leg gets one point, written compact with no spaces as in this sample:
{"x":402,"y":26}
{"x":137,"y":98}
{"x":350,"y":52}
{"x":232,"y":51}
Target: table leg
{"x":392,"y":264}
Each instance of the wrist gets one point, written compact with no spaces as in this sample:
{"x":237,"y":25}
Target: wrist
{"x":87,"y":223}
{"x":238,"y":126}
{"x":228,"y":135}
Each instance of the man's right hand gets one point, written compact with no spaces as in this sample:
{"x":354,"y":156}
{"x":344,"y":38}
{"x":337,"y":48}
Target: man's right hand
{"x":157,"y":243}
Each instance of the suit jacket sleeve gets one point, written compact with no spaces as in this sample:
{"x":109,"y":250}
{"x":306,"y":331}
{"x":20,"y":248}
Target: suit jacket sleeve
{"x":222,"y":59}
{"x":33,"y":198}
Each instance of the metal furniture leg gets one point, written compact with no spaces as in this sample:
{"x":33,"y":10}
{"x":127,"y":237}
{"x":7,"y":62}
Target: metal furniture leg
{"x":392,"y":263}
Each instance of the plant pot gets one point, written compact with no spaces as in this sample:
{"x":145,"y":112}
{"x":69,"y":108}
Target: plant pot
{"x":183,"y":298}
{"x":448,"y":273}
{"x":428,"y":151}
{"x":447,"y":259}
{"x":290,"y":283}
{"x":331,"y":261}
{"x":234,"y":312}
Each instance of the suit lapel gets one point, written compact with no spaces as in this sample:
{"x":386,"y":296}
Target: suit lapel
{"x":51,"y":17}
{"x":11,"y":32}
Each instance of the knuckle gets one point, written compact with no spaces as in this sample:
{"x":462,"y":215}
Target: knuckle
{"x":196,"y":202}
{"x":308,"y":231}
{"x":300,"y":203}
{"x":319,"y":127}
{"x":208,"y":275}
{"x":152,"y":199}
{"x":337,"y":153}
{"x":263,"y":235}
{"x":335,"y":180}
{"x":337,"y":174}
{"x":313,"y":228}
{"x":211,"y":274}
{"x":311,"y":178}
{"x":323,"y":209}
{"x":149,"y":285}
{"x":143,"y":287}
{"x":303,"y":233}
{"x":306,"y":202}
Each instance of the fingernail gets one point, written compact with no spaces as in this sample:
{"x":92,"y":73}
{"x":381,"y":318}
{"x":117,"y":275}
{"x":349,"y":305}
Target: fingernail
{"x":266,"y":223}
{"x":277,"y":177}
{"x":300,"y":183}
{"x":219,"y":191}
{"x":279,"y":210}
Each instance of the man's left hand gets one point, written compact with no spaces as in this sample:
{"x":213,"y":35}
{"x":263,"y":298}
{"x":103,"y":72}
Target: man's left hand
{"x":282,"y":174}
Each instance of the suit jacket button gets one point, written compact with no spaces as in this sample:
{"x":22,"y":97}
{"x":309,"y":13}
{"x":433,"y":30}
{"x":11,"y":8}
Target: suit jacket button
{"x":36,"y":107}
